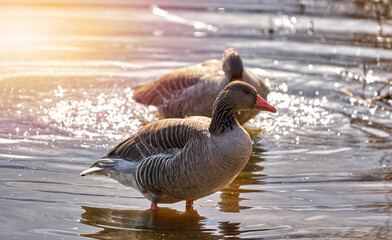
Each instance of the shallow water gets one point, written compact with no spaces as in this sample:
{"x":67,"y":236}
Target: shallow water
{"x":321,"y":167}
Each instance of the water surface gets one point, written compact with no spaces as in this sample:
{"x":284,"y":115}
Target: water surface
{"x":321,"y":167}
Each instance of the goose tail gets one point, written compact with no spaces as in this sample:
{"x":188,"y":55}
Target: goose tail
{"x":99,"y":167}
{"x":147,"y":93}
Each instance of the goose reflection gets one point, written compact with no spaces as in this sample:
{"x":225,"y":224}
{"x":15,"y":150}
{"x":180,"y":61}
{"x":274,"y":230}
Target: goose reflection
{"x":142,"y":224}
{"x":250,"y":175}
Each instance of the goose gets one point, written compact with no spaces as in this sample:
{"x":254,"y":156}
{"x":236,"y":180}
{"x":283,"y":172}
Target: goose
{"x":192,"y":90}
{"x":172,"y":160}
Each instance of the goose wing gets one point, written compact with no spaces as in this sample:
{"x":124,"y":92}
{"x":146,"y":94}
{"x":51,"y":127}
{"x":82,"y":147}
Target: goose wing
{"x":162,"y":89}
{"x":162,"y":138}
{"x":153,"y":145}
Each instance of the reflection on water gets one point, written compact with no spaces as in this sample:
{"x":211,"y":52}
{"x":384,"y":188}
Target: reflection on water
{"x":166,"y":224}
{"x":321,"y":168}
{"x":142,"y":224}
{"x":230,"y":199}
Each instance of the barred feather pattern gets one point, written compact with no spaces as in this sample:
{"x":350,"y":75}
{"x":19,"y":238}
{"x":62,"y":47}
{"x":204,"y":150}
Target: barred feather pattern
{"x":161,"y":137}
{"x":223,"y":119}
{"x":168,"y":152}
{"x":162,"y":89}
{"x":196,"y":171}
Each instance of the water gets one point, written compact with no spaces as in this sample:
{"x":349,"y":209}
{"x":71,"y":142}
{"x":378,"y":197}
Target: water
{"x":321,"y":167}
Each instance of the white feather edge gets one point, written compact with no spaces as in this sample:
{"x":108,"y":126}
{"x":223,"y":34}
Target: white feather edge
{"x":89,"y":171}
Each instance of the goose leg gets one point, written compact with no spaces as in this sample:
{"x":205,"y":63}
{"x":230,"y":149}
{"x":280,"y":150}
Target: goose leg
{"x":189,"y":203}
{"x":154,"y":207}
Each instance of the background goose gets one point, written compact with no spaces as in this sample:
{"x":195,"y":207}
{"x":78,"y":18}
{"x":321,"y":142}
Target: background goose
{"x":185,"y":159}
{"x":192,"y":90}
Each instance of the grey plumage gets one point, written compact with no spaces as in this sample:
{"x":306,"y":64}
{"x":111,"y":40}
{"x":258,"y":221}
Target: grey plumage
{"x":184,"y":159}
{"x":192,"y":90}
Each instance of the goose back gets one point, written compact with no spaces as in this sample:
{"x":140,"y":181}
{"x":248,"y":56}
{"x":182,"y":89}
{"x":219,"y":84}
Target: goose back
{"x":170,"y":86}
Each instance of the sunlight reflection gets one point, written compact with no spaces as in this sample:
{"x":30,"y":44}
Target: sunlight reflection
{"x":114,"y":115}
{"x":171,"y":17}
{"x":21,"y":69}
{"x":294,"y":112}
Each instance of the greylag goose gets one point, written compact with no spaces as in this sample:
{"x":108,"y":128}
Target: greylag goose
{"x":192,"y":90}
{"x":171,"y":160}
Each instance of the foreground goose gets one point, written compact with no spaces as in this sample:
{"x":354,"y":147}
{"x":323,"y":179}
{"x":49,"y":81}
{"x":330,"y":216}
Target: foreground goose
{"x":172,"y":160}
{"x":192,"y":90}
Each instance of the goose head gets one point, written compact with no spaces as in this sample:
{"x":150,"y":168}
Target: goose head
{"x":236,"y":96}
{"x":241,"y":96}
{"x":232,"y":64}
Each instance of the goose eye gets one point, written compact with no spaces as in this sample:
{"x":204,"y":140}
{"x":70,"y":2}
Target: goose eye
{"x":247,"y":92}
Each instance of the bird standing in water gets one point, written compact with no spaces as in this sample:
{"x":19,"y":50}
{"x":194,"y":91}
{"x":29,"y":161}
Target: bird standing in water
{"x":172,"y":160}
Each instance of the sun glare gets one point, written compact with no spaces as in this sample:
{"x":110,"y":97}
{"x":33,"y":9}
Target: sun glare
{"x":16,"y":28}
{"x":24,"y":27}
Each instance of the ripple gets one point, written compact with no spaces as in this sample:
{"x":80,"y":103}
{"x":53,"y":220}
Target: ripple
{"x":329,"y":151}
{"x":174,"y":18}
{"x":12,"y":156}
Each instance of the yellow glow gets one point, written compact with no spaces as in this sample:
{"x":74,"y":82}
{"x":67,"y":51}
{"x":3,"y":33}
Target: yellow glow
{"x":22,"y":26}
{"x":26,"y":27}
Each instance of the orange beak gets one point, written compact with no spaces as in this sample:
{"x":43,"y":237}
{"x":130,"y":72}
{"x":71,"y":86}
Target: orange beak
{"x":263,"y":105}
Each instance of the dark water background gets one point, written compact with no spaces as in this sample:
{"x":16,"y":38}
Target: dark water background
{"x":321,"y":167}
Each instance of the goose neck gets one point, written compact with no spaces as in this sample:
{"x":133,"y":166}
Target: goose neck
{"x":223,"y":118}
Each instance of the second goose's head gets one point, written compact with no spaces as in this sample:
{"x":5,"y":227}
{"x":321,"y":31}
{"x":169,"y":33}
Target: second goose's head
{"x":232,"y":64}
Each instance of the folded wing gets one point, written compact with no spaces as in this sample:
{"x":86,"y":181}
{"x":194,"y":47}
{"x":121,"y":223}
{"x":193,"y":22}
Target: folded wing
{"x":174,"y":83}
{"x":167,"y":137}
